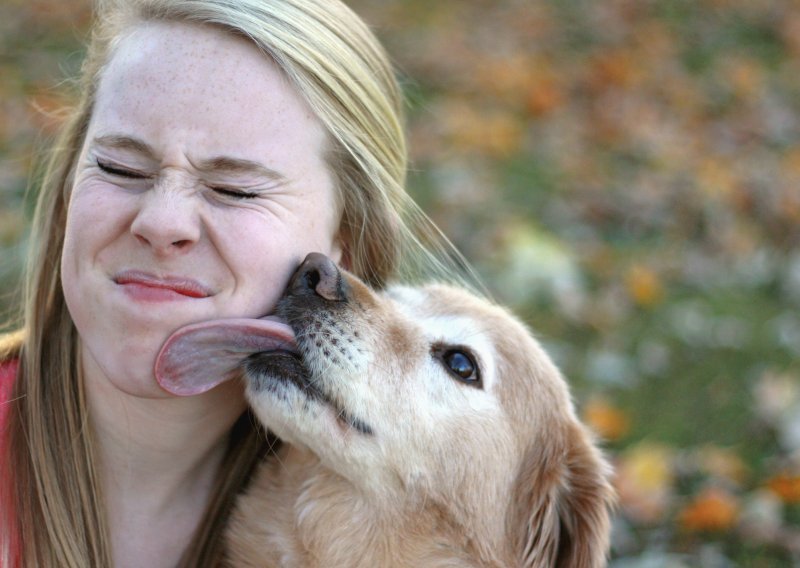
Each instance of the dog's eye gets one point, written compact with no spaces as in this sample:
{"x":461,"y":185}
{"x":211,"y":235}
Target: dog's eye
{"x":461,"y":365}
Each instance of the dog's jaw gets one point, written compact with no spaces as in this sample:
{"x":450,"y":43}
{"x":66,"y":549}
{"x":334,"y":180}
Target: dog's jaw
{"x":284,"y":378}
{"x":320,"y":405}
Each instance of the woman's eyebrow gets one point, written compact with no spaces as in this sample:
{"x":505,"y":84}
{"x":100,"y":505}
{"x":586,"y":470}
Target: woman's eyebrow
{"x":123,"y":142}
{"x":229,"y":165}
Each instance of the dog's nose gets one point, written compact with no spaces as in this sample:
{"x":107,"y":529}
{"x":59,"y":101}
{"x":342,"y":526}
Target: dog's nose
{"x":319,"y":275}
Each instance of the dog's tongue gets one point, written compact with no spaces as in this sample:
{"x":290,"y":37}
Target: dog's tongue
{"x":198,"y":357}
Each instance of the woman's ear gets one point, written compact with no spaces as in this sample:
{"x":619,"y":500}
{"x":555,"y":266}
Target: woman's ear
{"x":562,"y":504}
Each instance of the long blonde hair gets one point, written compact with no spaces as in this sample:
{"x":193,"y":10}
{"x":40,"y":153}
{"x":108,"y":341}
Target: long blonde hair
{"x":338,"y":66}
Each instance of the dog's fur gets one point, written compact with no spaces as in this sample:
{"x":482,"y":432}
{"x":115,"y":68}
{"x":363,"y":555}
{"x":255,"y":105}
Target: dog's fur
{"x":391,"y":460}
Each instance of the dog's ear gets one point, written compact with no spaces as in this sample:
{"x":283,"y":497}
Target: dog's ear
{"x":562,"y":503}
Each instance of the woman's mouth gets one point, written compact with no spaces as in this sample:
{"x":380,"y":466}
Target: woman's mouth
{"x":148,"y":287}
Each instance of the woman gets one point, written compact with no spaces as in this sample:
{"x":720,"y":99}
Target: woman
{"x":215,"y":143}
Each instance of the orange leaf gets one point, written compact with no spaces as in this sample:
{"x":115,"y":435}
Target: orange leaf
{"x":544,"y":97}
{"x":712,"y":510}
{"x":606,"y":419}
{"x":786,"y":486}
{"x":644,"y":285}
{"x":613,"y":68}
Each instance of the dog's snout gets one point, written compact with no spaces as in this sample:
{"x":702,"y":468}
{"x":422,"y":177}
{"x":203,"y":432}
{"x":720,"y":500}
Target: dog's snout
{"x":318,"y":275}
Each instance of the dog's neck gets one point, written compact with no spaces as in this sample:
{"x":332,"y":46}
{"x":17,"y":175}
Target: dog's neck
{"x":313,"y":516}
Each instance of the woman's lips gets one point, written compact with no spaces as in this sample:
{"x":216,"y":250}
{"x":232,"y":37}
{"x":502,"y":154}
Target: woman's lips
{"x":145,"y":286}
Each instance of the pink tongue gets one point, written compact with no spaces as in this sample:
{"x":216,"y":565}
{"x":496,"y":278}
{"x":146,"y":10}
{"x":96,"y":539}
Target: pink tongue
{"x":198,"y":357}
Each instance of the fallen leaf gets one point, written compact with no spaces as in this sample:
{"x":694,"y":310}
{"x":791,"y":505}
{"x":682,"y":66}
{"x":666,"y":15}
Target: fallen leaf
{"x":712,"y":510}
{"x":786,"y":486}
{"x":644,"y":285}
{"x":606,"y":419}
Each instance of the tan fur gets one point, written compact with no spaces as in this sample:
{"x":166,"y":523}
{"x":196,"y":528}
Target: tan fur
{"x":450,"y":475}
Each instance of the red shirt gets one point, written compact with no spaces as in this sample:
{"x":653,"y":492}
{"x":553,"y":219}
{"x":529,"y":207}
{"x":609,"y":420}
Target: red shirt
{"x":8,"y":372}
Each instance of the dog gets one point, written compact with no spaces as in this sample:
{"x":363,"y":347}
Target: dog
{"x":422,"y":427}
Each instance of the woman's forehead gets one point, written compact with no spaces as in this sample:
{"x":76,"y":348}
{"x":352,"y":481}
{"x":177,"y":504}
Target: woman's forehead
{"x":202,"y":86}
{"x":168,"y":43}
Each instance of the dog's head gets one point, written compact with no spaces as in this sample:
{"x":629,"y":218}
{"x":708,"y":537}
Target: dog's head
{"x":433,"y":397}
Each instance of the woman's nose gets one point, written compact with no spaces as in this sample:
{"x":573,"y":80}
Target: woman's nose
{"x":167,"y":220}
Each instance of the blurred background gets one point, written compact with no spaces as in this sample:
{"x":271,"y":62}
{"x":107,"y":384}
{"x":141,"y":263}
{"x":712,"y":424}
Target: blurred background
{"x":625,"y":174}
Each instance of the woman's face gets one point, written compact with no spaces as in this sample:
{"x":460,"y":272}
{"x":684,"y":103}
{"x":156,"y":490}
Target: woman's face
{"x":200,"y":187}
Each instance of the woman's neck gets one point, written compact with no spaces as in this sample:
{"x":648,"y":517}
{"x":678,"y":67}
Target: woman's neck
{"x":158,"y":460}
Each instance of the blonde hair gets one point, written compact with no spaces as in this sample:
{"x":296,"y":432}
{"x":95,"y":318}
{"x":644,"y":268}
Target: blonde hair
{"x":338,"y":66}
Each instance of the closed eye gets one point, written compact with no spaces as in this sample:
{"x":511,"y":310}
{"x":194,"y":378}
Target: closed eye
{"x":120,"y":172}
{"x":131,"y":174}
{"x":460,"y":363}
{"x":234,"y":193}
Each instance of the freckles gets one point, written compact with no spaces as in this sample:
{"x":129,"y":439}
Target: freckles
{"x":90,"y":207}
{"x":85,"y":200}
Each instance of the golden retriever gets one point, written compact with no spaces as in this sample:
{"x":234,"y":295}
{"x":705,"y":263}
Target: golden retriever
{"x":423,"y":427}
